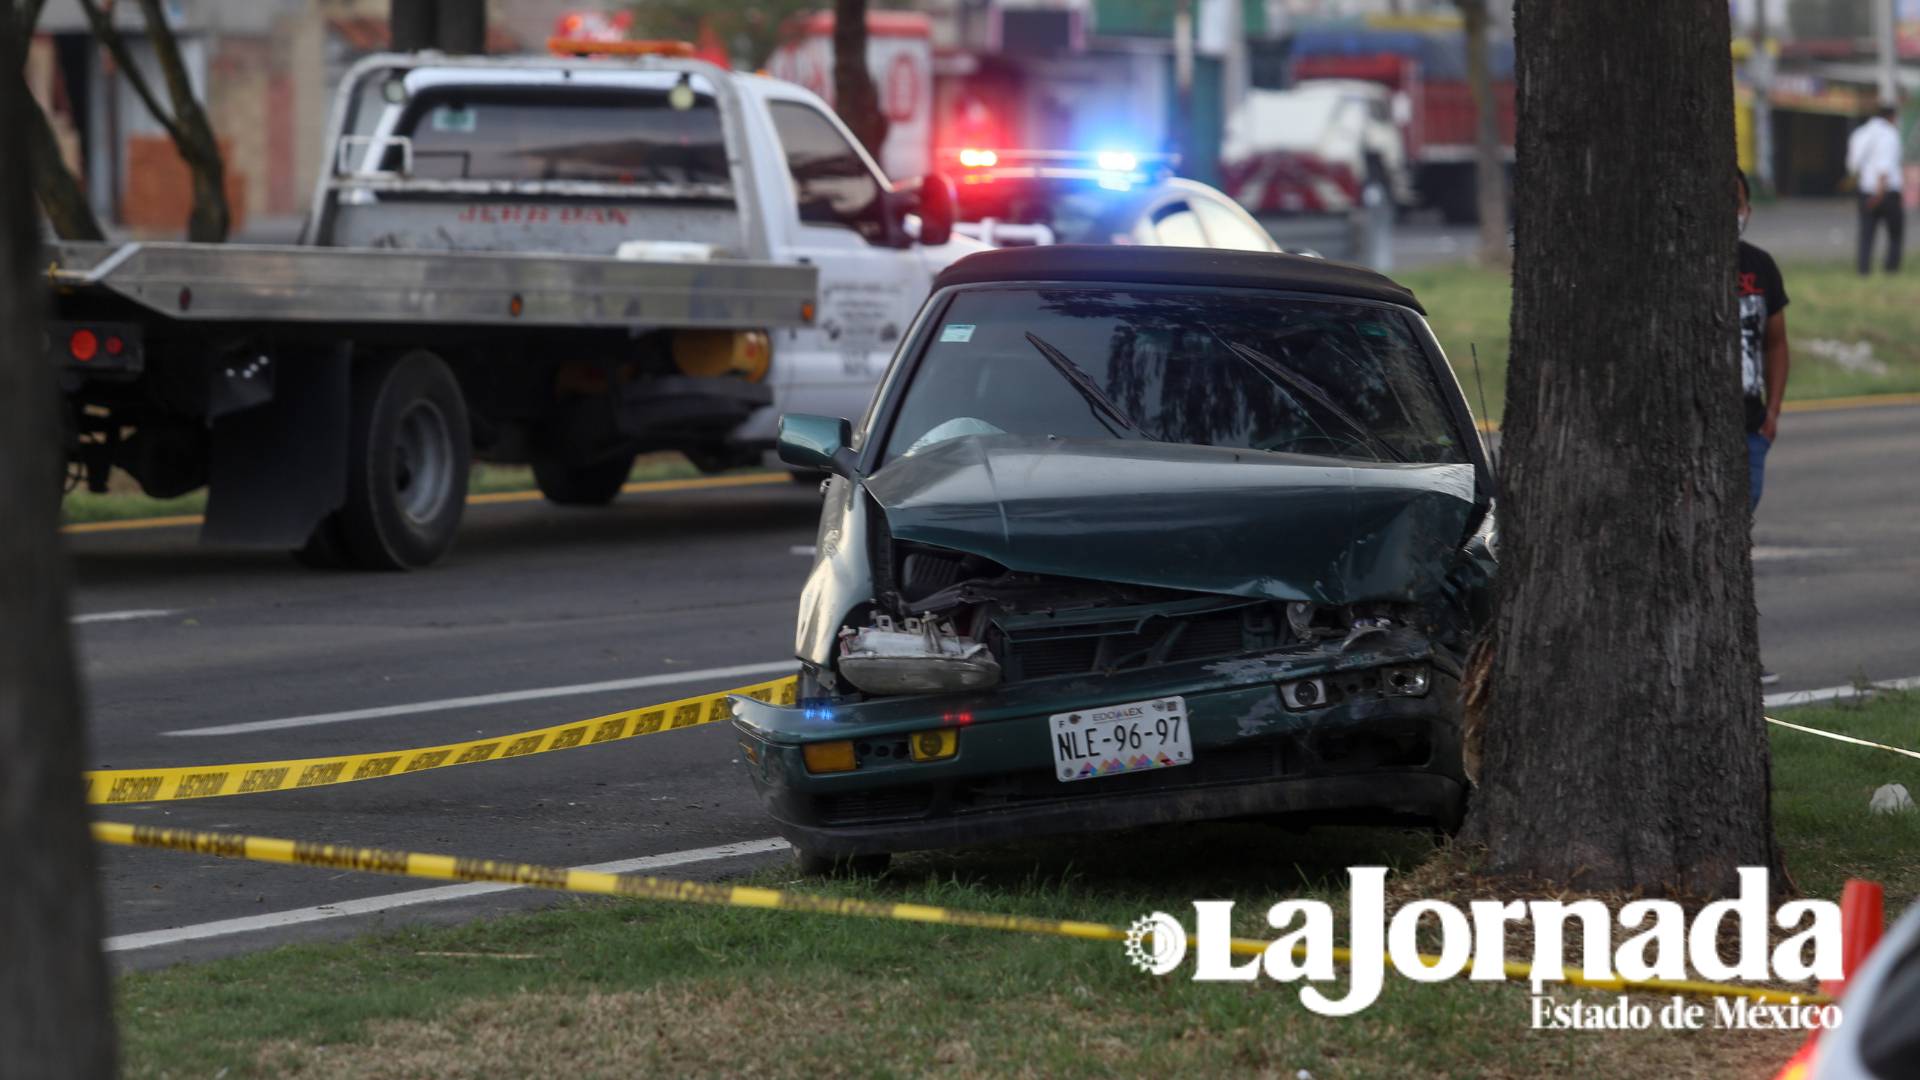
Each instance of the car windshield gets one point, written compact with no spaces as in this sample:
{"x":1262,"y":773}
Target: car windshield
{"x":1217,"y":367}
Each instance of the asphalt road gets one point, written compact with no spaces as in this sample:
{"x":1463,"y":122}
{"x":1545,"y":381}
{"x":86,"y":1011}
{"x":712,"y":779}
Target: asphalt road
{"x":674,"y":585}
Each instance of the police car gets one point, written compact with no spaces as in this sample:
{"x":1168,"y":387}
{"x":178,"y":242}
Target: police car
{"x":1027,"y":197}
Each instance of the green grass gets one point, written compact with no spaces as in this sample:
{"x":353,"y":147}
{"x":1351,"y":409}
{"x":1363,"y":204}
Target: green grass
{"x":1832,"y":310}
{"x":123,"y":499}
{"x":624,"y":989}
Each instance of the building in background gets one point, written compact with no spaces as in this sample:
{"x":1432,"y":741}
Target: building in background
{"x":265,"y":70}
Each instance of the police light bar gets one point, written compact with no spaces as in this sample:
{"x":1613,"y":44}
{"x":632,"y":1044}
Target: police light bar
{"x":1105,"y":160}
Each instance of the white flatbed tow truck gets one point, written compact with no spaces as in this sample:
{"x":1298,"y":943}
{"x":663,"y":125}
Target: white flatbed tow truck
{"x":559,"y":261}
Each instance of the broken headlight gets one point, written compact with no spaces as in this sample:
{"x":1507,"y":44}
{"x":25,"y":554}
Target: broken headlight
{"x":914,"y":656}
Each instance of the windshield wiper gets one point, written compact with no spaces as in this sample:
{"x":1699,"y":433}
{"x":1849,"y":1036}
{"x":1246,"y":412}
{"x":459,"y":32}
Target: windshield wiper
{"x":1299,"y":383}
{"x":1101,"y":403}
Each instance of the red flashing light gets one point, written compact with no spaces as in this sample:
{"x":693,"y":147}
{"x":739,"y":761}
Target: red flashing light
{"x":83,"y":345}
{"x":979,"y":159}
{"x":957,"y":719}
{"x":115,"y":346}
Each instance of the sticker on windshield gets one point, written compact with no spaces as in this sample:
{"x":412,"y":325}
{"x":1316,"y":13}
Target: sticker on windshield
{"x":957,"y":331}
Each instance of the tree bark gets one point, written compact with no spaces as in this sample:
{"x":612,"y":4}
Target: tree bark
{"x":1490,"y":170}
{"x":1623,"y":740}
{"x":55,"y":1017}
{"x":855,"y":98}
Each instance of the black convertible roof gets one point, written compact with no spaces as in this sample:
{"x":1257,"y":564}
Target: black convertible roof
{"x":1135,"y":265}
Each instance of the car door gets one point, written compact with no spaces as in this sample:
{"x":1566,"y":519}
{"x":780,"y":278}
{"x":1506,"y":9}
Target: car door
{"x":869,"y":287}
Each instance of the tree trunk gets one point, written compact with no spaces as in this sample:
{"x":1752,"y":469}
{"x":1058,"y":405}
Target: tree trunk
{"x":855,"y":98}
{"x":1623,"y":741}
{"x":55,"y":1017}
{"x":412,"y":25}
{"x":463,"y":27}
{"x":59,"y":190}
{"x":1490,"y":170}
{"x":211,"y":218}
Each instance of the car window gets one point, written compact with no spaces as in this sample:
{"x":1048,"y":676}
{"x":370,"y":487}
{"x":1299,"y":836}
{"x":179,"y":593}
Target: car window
{"x":1180,"y":366}
{"x":1176,"y":225}
{"x":832,"y":185}
{"x":624,"y":136}
{"x":1226,"y":229}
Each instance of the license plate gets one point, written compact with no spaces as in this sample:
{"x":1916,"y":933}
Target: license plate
{"x":1117,"y":739}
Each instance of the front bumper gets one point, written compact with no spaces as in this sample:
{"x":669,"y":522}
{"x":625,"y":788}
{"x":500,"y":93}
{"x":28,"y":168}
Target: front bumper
{"x":1371,"y":757}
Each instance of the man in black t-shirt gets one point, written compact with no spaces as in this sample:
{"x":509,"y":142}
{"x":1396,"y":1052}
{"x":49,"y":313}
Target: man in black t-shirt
{"x":1762,"y":297}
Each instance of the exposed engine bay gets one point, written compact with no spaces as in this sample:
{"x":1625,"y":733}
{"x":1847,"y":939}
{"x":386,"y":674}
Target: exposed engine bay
{"x":949,"y":621}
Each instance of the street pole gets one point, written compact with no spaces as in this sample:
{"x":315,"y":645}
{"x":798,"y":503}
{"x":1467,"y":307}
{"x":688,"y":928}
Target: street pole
{"x":1883,"y":29}
{"x":1183,"y":76}
{"x":1760,"y":73}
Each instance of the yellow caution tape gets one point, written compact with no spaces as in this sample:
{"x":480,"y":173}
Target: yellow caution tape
{"x":600,"y":883}
{"x":207,"y":781}
{"x":1842,"y":738}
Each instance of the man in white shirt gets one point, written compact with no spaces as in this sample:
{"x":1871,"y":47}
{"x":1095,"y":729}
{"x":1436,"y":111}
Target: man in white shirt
{"x":1873,"y":157}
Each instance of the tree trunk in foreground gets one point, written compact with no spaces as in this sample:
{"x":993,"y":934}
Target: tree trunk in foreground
{"x":1623,"y":740}
{"x":1490,"y":168}
{"x":854,"y":96}
{"x":54,"y":1008}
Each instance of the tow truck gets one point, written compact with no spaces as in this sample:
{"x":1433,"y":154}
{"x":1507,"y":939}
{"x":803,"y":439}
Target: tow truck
{"x":561,"y":261}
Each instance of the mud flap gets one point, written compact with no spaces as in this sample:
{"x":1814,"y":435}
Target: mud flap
{"x":278,"y":468}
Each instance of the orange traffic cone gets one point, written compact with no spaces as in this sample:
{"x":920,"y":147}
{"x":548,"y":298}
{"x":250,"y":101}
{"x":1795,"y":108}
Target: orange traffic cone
{"x":1862,"y":921}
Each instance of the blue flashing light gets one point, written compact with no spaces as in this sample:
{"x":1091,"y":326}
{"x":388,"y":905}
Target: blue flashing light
{"x":1120,"y":161}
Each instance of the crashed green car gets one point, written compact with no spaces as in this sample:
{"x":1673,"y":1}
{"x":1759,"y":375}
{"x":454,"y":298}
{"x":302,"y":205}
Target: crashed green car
{"x":1134,"y":537}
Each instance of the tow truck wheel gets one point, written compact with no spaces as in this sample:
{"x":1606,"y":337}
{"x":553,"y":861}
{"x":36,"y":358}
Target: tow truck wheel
{"x":814,"y":864}
{"x":582,"y":485}
{"x":409,"y":453}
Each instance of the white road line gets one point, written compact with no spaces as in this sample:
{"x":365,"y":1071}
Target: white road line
{"x":226,"y":927}
{"x":666,"y":679}
{"x":1788,"y":699}
{"x":1763,"y":553}
{"x":124,"y":616}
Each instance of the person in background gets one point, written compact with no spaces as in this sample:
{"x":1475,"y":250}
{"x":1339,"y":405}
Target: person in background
{"x":1873,"y":158}
{"x":1762,"y":296}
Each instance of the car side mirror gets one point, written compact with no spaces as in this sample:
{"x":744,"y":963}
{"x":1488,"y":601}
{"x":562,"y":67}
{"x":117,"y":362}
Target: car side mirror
{"x":937,"y":199}
{"x":817,"y":442}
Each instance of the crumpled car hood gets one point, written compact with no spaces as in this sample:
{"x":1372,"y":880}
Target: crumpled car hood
{"x":1205,"y":519}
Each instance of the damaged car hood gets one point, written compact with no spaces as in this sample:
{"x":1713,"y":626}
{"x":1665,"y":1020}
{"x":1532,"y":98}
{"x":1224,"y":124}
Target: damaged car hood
{"x":1199,"y":518}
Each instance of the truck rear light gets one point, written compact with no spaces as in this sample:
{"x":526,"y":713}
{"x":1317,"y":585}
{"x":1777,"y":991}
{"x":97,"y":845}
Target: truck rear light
{"x":83,"y":346}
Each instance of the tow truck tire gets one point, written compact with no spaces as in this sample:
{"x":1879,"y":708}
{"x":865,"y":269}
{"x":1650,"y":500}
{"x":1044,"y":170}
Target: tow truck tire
{"x":408,"y":456}
{"x":582,"y":485}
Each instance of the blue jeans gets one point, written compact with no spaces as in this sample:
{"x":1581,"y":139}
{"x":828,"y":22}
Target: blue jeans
{"x":1757,"y":447}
